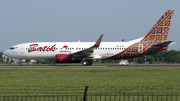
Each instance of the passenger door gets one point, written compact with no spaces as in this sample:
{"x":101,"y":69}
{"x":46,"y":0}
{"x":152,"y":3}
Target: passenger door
{"x":140,"y":48}
{"x":22,"y":49}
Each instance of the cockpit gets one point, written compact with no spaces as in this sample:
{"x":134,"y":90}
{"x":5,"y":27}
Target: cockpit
{"x":11,"y":48}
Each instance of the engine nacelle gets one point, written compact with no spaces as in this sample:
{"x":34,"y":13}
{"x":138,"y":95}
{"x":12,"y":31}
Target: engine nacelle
{"x":66,"y":58}
{"x":63,"y":58}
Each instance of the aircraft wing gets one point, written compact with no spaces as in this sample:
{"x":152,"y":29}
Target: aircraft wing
{"x":87,"y":52}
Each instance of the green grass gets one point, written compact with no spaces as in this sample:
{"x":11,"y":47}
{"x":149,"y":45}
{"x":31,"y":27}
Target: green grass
{"x":73,"y":80}
{"x":91,"y":77}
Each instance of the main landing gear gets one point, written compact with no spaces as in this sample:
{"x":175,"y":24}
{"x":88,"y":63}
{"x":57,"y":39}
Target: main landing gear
{"x":87,"y":63}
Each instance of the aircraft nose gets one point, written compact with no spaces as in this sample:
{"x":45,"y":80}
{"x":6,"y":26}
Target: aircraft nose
{"x":5,"y":53}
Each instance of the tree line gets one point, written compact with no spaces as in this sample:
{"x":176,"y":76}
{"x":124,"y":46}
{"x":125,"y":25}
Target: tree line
{"x":165,"y":56}
{"x":1,"y":56}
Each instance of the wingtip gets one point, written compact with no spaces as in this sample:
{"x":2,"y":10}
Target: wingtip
{"x":98,"y":42}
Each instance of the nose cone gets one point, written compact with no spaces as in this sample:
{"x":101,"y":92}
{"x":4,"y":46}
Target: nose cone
{"x":5,"y":53}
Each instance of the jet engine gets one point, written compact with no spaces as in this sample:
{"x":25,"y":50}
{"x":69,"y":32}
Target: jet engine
{"x":66,"y":58}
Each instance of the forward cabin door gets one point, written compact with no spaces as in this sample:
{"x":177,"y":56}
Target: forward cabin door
{"x":22,"y":49}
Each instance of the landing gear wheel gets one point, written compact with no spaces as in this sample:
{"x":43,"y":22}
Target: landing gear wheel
{"x":84,"y":63}
{"x":19,"y":63}
{"x":87,"y":62}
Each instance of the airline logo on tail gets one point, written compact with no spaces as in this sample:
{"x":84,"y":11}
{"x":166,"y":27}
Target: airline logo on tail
{"x":156,"y":36}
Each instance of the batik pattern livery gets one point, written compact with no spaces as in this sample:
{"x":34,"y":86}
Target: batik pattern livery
{"x":158,"y":34}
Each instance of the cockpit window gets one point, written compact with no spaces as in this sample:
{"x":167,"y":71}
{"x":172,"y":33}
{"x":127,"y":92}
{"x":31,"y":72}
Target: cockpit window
{"x":12,"y":48}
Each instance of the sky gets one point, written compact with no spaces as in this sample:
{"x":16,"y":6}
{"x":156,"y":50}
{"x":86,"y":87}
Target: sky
{"x":24,"y":21}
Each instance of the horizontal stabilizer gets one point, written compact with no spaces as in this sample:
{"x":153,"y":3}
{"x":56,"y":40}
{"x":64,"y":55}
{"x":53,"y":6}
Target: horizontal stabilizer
{"x":172,"y":43}
{"x":162,"y":44}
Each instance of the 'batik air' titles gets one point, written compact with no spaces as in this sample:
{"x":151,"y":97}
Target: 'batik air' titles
{"x":157,"y":35}
{"x":34,"y":47}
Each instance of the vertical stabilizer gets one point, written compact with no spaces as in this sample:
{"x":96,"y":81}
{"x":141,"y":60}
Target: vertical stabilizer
{"x":159,"y":33}
{"x":153,"y":42}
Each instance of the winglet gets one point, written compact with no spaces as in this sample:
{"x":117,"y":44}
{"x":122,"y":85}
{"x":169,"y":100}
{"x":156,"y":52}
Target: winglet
{"x":98,"y":42}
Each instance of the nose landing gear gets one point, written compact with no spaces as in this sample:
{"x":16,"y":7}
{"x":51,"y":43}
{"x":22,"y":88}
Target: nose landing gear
{"x":19,"y":63}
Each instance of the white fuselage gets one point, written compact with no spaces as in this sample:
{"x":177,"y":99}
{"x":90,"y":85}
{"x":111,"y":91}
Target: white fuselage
{"x":48,"y":50}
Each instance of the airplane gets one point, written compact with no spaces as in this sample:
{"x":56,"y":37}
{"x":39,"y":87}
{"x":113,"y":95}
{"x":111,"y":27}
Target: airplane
{"x":75,"y":52}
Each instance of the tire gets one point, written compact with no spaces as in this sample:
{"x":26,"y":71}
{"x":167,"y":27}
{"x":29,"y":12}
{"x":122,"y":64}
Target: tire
{"x":19,"y":63}
{"x":84,"y":63}
{"x":89,"y":63}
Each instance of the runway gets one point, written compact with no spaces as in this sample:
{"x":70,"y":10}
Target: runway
{"x":84,"y":67}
